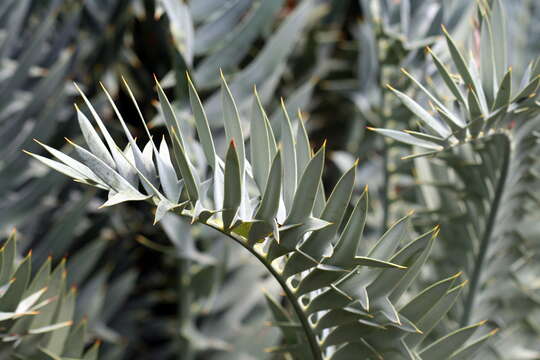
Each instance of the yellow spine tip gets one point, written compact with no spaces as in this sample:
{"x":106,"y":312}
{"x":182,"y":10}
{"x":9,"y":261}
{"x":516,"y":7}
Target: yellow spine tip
{"x":69,"y":141}
{"x":390,"y":87}
{"x":366,"y":188}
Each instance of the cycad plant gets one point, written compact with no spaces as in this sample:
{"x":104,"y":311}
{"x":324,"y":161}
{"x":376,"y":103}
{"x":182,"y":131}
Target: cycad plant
{"x":37,"y":311}
{"x":482,"y":133}
{"x":347,"y":298}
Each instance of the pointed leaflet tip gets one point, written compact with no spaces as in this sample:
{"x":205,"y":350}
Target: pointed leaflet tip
{"x":155,"y":78}
{"x":443,"y":28}
{"x":77,"y":87}
{"x":390,"y":87}
{"x":69,"y":141}
{"x":299,"y":114}
{"x":405,"y":72}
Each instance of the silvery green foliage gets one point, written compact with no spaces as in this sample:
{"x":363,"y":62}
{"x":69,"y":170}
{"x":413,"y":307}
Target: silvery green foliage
{"x":481,"y":185}
{"x":349,"y":299}
{"x":387,"y":38}
{"x":36,"y":57}
{"x":223,"y":36}
{"x":37,"y":311}
{"x":26,"y":108}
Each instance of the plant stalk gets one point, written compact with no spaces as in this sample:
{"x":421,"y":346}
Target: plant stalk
{"x":312,"y":338}
{"x":480,"y":258}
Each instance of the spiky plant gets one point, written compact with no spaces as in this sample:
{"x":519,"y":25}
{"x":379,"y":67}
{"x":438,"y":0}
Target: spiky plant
{"x":36,"y":56}
{"x":483,"y":136}
{"x":254,"y":43}
{"x":37,"y":311}
{"x":384,"y":40}
{"x":348,"y":298}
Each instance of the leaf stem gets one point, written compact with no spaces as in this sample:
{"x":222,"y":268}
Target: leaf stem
{"x":309,"y":332}
{"x":482,"y":251}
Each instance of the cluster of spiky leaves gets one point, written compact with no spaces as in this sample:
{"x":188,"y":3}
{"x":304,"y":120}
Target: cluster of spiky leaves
{"x":44,"y":73}
{"x":385,"y":40}
{"x":479,"y":189}
{"x":37,"y":55}
{"x":37,"y":311}
{"x":25,"y":99}
{"x":348,"y":298}
{"x":211,"y":37}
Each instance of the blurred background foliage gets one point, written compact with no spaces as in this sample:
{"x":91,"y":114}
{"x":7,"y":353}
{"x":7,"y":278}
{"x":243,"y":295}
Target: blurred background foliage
{"x":177,"y":291}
